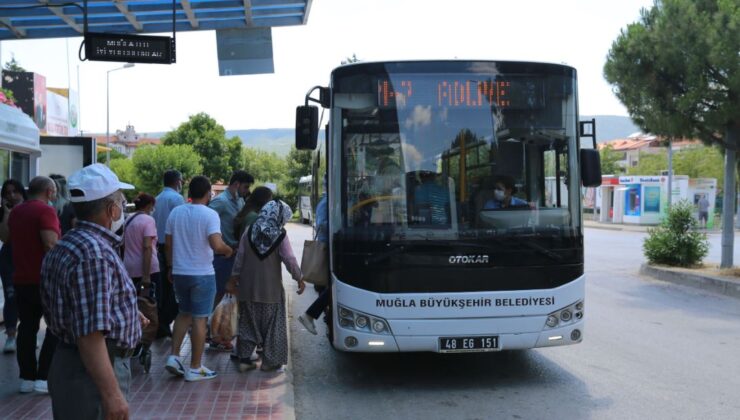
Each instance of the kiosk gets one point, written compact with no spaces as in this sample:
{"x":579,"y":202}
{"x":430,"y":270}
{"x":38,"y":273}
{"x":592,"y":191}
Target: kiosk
{"x":19,"y":145}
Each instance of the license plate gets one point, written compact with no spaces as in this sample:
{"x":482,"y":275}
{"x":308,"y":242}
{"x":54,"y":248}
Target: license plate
{"x":468,"y":344}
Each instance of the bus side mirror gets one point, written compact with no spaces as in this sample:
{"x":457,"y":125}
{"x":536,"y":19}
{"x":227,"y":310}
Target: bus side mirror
{"x":590,"y":168}
{"x":306,"y":127}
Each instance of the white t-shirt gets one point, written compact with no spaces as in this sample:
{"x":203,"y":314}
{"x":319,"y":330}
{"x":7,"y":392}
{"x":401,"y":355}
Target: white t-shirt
{"x":190,"y":226}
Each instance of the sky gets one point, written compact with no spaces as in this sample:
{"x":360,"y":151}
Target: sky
{"x":157,"y":98}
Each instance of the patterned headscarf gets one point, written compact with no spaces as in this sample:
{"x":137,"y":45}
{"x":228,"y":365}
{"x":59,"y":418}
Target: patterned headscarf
{"x":266,"y":233}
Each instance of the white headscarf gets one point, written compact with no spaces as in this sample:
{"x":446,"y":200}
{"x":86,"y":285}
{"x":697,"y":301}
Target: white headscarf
{"x":266,"y":233}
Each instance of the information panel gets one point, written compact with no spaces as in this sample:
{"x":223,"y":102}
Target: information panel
{"x":129,"y":48}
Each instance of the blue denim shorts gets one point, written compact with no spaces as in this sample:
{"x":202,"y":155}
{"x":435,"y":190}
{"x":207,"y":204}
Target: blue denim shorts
{"x":195,"y":294}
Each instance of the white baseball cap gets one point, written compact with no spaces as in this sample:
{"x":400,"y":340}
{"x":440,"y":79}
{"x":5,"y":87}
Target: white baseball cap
{"x":94,"y":182}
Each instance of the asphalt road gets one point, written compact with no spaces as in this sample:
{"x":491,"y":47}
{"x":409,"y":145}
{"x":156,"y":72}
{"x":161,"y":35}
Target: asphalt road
{"x":652,"y":350}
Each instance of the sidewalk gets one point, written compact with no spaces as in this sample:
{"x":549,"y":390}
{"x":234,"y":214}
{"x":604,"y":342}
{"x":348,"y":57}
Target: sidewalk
{"x":157,"y":394}
{"x":694,"y":278}
{"x":631,"y":228}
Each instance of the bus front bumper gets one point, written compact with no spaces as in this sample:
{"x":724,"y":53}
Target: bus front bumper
{"x":356,"y":341}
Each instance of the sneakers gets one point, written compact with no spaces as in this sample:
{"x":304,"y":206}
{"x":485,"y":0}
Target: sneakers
{"x":200,"y":374}
{"x":246,"y":364}
{"x":41,"y":386}
{"x":307,"y":322}
{"x":26,"y":386}
{"x":10,"y":345}
{"x":174,"y":366}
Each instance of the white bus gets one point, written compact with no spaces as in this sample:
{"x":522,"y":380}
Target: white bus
{"x":454,"y":201}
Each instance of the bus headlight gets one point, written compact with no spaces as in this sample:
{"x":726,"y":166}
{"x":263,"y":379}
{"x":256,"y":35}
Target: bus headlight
{"x":565,"y":316}
{"x":361,"y":321}
{"x":378,"y":326}
{"x":358,"y":321}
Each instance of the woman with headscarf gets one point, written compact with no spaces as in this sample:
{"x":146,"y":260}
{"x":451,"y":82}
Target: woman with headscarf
{"x":257,"y":282}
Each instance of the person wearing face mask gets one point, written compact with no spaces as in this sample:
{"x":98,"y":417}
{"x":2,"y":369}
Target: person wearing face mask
{"x":139,"y":238}
{"x":89,"y":302}
{"x":13,"y":193}
{"x":193,"y":236}
{"x":502,"y":195}
{"x":166,"y":201}
{"x":64,"y":208}
{"x":34,"y":230}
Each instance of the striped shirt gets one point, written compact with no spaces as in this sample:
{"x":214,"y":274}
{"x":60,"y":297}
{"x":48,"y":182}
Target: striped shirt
{"x":85,"y":288}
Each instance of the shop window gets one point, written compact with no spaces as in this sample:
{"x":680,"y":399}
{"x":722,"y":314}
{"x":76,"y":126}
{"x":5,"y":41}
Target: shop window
{"x":21,"y":167}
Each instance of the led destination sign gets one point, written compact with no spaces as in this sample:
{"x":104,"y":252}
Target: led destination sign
{"x":130,"y":48}
{"x":462,"y":92}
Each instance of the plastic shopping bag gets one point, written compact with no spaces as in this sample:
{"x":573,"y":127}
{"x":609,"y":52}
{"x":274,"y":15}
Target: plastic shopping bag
{"x":224,"y":322}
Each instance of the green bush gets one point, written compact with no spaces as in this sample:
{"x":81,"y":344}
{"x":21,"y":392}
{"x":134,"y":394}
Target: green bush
{"x":676,"y":241}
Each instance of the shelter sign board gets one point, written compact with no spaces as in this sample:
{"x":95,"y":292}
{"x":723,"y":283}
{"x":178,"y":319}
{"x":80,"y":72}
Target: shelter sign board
{"x":244,"y":51}
{"x":129,"y":48}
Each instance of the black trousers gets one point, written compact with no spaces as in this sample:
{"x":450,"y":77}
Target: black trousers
{"x":166,"y":302}
{"x":321,"y":302}
{"x":30,"y":312}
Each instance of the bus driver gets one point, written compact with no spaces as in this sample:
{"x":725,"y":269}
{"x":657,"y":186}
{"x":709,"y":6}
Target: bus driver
{"x":502,"y":195}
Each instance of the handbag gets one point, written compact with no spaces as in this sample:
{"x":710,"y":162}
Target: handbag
{"x":315,"y":263}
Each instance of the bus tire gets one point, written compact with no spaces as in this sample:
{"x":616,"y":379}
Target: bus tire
{"x":329,"y":327}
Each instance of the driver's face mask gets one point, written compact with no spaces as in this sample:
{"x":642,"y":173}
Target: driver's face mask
{"x":499,"y":194}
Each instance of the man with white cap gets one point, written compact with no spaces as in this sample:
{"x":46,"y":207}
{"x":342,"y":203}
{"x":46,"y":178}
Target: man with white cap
{"x":90,"y":304}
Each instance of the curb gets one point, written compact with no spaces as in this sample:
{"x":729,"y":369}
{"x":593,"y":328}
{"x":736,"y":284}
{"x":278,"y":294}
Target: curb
{"x":603,"y":227}
{"x":700,"y":281}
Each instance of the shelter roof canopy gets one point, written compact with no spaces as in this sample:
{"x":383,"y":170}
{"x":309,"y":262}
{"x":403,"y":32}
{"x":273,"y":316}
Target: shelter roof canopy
{"x":29,"y":19}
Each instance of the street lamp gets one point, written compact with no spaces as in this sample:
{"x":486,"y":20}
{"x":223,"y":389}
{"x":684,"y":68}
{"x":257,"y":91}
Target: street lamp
{"x":107,"y":110}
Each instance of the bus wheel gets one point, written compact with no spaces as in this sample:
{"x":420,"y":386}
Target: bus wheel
{"x":329,"y":327}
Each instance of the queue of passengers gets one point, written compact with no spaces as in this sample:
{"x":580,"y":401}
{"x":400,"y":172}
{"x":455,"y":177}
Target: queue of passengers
{"x":71,"y":257}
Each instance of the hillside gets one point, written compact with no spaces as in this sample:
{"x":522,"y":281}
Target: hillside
{"x":279,"y":140}
{"x":276,"y":140}
{"x":610,"y":127}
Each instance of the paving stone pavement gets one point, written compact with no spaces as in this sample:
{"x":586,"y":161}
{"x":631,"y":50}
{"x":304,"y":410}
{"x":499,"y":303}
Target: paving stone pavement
{"x":159,"y":395}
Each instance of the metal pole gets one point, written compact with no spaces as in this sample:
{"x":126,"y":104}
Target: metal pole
{"x":670,"y":172}
{"x":107,"y":110}
{"x":728,"y":203}
{"x":107,"y":118}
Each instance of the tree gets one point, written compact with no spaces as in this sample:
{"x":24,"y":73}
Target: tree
{"x":13,"y":65}
{"x":151,"y":162}
{"x":126,"y":172}
{"x":650,"y":163}
{"x":610,"y":161}
{"x":219,"y":157}
{"x":677,"y":72}
{"x":299,"y":164}
{"x":699,"y":162}
{"x":114,"y":154}
{"x":265,"y":166}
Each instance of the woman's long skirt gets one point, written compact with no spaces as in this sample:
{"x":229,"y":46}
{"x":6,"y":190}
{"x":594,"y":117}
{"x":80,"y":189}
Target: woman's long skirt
{"x":263,"y":323}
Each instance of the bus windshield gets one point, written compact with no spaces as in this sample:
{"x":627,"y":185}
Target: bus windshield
{"x":475,"y":151}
